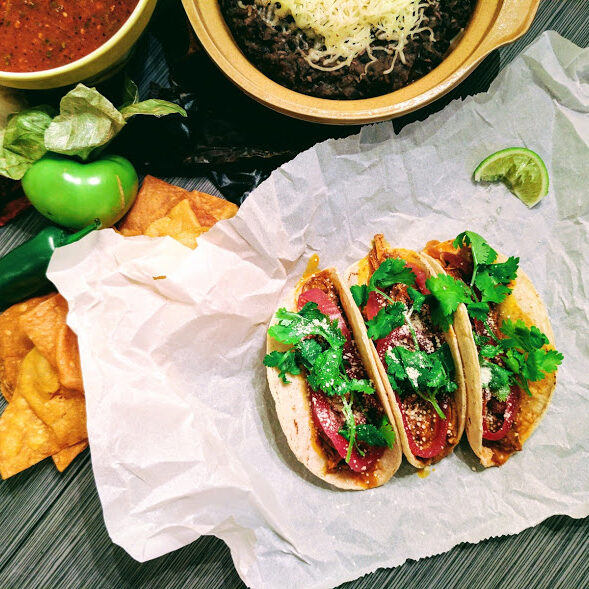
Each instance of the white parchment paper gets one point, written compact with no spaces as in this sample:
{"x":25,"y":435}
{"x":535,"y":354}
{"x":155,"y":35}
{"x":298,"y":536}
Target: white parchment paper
{"x":182,"y":428}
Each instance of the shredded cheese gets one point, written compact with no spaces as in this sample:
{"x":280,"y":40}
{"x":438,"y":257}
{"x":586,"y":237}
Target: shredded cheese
{"x":343,"y":29}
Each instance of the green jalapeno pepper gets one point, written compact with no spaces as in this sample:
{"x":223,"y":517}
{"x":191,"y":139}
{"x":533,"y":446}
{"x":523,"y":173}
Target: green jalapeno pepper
{"x":23,"y":270}
{"x":73,"y":194}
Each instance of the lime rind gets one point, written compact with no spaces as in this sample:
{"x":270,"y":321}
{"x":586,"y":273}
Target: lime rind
{"x":520,"y":169}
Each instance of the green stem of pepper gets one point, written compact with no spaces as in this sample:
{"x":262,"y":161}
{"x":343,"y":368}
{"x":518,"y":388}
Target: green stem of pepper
{"x":80,"y":234}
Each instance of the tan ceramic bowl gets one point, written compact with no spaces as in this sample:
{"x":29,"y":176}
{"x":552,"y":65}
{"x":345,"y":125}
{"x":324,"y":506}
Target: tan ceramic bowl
{"x":92,"y":67}
{"x":493,"y":23}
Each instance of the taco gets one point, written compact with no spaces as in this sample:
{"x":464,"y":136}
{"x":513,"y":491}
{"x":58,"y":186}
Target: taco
{"x":325,"y":385}
{"x":419,"y":363}
{"x":505,"y":339}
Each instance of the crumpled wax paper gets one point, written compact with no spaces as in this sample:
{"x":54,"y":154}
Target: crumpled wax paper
{"x":182,"y":427}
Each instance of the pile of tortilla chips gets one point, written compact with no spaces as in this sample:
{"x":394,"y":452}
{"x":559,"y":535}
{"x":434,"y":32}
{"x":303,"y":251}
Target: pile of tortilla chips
{"x":163,"y":209}
{"x":40,"y":374}
{"x":41,"y":380}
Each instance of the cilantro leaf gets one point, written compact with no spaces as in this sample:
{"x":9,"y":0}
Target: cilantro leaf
{"x":345,"y":386}
{"x":395,"y":369}
{"x":520,"y":336}
{"x":307,"y":352}
{"x":449,"y":291}
{"x":501,"y":394}
{"x":514,"y":360}
{"x":366,"y":432}
{"x":371,"y":435}
{"x":392,"y":271}
{"x":478,"y":311}
{"x":438,"y":317}
{"x":489,"y":351}
{"x":387,"y":432}
{"x":482,"y":252}
{"x":444,"y":355}
{"x":541,"y":362}
{"x":293,"y":327}
{"x":325,"y":373}
{"x":417,"y":298}
{"x":499,"y":379}
{"x":504,"y":272}
{"x":388,"y":318}
{"x":492,"y":291}
{"x":481,"y":340}
{"x":550,"y":361}
{"x":360,"y":294}
{"x":360,"y":386}
{"x":284,"y":361}
{"x":446,"y":294}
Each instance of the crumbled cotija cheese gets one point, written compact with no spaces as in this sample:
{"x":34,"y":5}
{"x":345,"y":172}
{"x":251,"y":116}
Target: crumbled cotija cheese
{"x":485,"y":376}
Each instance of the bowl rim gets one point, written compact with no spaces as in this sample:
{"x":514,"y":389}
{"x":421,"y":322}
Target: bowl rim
{"x":485,"y":24}
{"x":67,"y":68}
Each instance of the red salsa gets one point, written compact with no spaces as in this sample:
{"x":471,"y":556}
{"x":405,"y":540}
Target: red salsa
{"x":43,"y":34}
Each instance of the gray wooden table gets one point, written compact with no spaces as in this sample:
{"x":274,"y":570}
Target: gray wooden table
{"x":52,"y":534}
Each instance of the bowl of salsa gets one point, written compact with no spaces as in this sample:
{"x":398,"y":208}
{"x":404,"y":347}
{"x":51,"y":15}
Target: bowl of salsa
{"x":53,"y":43}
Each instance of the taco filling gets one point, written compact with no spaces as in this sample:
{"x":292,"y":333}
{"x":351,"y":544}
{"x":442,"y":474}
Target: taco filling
{"x":351,"y":427}
{"x":417,"y":359}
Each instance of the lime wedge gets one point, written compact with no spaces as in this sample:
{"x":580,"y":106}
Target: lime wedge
{"x":520,"y":169}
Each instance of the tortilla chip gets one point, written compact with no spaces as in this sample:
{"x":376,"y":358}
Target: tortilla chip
{"x":24,"y":438}
{"x":68,"y":360}
{"x":43,"y":323}
{"x":66,"y":456}
{"x":63,"y":410}
{"x":14,"y":343}
{"x":180,"y":223}
{"x":9,"y":376}
{"x":157,"y":198}
{"x":209,"y":209}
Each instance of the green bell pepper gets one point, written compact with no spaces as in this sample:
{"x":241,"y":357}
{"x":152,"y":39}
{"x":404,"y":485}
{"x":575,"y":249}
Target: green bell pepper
{"x":73,"y":194}
{"x":23,"y":270}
